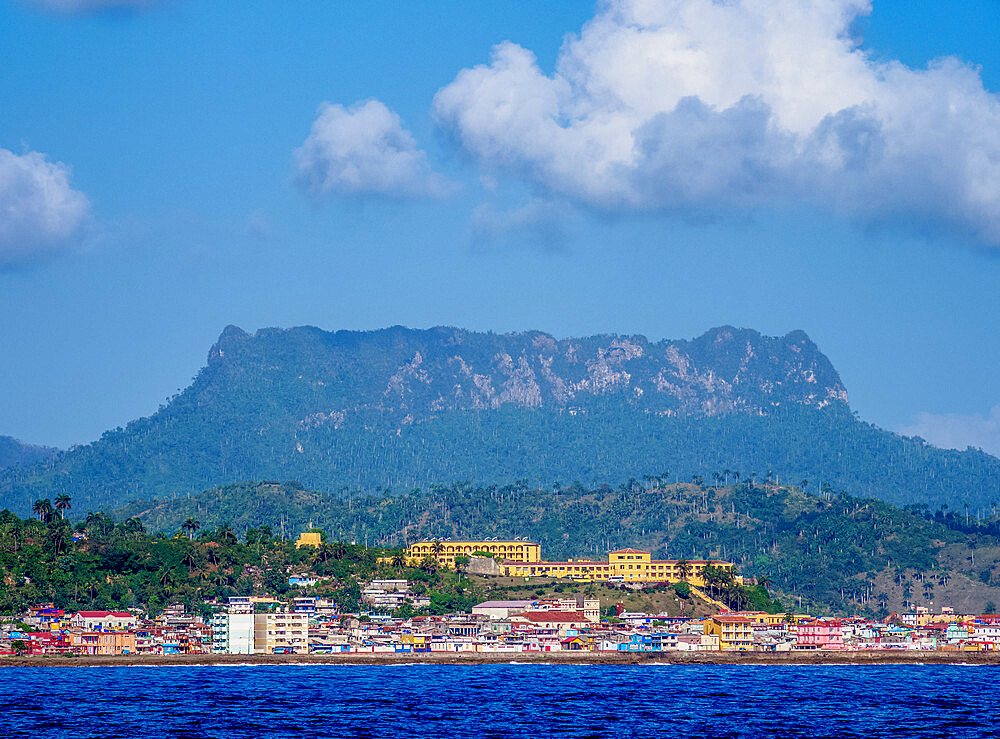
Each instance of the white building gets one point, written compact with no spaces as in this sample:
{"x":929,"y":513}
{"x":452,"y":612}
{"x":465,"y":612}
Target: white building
{"x":102,"y":620}
{"x":233,"y":629}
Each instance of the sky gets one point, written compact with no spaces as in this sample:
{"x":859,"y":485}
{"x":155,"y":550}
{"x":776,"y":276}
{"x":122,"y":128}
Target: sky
{"x":654,"y":167}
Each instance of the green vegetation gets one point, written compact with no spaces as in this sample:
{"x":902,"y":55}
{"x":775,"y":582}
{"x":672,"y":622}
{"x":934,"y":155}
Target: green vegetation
{"x":343,"y":412}
{"x":831,"y":553}
{"x":14,"y":453}
{"x":100,"y":564}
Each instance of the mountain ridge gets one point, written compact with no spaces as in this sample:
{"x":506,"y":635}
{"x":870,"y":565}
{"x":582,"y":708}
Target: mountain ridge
{"x":14,"y":453}
{"x":402,"y":408}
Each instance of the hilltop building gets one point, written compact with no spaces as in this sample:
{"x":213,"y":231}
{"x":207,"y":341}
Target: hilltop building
{"x":446,"y":551}
{"x":523,"y":559}
{"x":309,"y":539}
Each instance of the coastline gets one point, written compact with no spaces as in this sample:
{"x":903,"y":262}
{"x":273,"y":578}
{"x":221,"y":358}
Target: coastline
{"x":550,"y":658}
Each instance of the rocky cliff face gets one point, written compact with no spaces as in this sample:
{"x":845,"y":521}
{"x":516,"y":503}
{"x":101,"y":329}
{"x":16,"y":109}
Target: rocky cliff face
{"x":410,"y":375}
{"x":400,"y":409}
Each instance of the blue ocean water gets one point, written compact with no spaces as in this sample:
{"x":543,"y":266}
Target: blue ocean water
{"x":500,"y":701}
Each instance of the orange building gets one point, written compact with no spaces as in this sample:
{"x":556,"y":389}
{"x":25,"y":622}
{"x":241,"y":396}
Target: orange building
{"x":101,"y":642}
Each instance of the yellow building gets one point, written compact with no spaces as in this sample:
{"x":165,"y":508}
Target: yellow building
{"x":281,"y":633}
{"x":622,"y":565}
{"x":524,"y":559}
{"x":767,"y":619}
{"x":734,"y":632}
{"x":446,"y":551}
{"x":309,"y":539}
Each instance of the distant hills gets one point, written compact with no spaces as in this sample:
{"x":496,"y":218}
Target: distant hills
{"x":15,"y":453}
{"x":398,"y":408}
{"x":838,"y":554}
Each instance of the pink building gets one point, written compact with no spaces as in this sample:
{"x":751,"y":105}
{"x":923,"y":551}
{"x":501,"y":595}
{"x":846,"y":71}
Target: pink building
{"x":820,"y":634}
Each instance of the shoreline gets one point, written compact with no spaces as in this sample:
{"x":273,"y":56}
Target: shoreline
{"x":552,"y":658}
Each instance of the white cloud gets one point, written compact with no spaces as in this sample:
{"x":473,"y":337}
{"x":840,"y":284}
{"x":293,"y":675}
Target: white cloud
{"x":958,"y":431}
{"x":364,"y":150}
{"x":705,"y":106}
{"x":39,"y":209}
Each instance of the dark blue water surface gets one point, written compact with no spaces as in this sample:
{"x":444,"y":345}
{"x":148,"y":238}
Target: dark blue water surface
{"x":500,"y":701}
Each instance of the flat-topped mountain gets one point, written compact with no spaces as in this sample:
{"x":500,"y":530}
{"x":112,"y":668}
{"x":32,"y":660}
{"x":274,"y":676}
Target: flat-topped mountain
{"x":409,"y":376}
{"x":400,"y":408}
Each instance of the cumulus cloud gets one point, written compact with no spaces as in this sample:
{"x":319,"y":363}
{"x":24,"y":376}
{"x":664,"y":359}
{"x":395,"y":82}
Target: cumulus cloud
{"x":93,"y":6}
{"x":701,"y":106}
{"x":364,"y":150}
{"x":958,"y":431}
{"x":39,"y":209}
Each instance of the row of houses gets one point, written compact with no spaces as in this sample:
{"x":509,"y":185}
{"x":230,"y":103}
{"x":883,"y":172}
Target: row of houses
{"x":48,"y":630}
{"x":246,"y":625}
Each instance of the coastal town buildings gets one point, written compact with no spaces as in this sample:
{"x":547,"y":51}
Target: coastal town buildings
{"x":311,"y":625}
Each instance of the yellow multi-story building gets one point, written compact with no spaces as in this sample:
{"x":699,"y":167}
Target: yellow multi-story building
{"x":735,"y":633}
{"x":281,"y":633}
{"x":622,"y":565}
{"x":524,"y":559}
{"x":446,"y":551}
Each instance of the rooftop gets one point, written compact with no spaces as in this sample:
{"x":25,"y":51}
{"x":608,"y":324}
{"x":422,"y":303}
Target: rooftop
{"x":505,"y":604}
{"x":551,"y":617}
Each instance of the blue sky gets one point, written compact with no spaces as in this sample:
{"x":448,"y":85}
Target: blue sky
{"x":169,"y":168}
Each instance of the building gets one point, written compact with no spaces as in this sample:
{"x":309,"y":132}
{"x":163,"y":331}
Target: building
{"x":623,"y":565}
{"x":280,"y":632}
{"x":309,"y":539}
{"x":733,"y":632}
{"x":233,"y":629}
{"x":446,"y":551}
{"x":101,"y":642}
{"x":102,"y":620}
{"x":562,"y":622}
{"x":497,"y":610}
{"x":820,"y":634}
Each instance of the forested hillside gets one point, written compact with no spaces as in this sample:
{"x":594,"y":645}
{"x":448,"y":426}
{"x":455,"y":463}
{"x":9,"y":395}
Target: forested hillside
{"x":400,"y":409}
{"x":838,"y":553}
{"x":14,"y":453}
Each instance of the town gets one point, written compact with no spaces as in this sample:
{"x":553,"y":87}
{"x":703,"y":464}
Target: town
{"x":304,"y":624}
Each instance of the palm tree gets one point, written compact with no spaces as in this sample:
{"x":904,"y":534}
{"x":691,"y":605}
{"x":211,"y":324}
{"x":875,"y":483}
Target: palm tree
{"x":323,"y":553}
{"x":684,"y":569}
{"x":398,"y":561}
{"x":63,"y":504}
{"x":190,"y":525}
{"x":436,"y":548}
{"x":133,"y":527}
{"x":224,"y":535}
{"x":42,"y":509}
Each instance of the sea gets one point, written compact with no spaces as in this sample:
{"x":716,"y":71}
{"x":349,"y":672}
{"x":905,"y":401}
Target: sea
{"x":509,"y":700}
